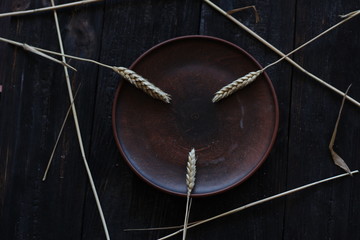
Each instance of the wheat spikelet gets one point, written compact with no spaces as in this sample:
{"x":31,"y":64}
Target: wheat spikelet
{"x":236,"y":85}
{"x":143,"y":84}
{"x":190,"y":183}
{"x":191,"y":171}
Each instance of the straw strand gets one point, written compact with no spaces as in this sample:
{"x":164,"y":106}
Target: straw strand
{"x":77,"y":127}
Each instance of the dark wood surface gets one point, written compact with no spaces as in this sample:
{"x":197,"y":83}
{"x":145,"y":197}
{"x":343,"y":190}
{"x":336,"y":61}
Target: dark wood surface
{"x":34,"y":102}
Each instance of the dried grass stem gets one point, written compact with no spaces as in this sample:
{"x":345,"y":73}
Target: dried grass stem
{"x":34,"y":50}
{"x":261,"y":201}
{"x":257,"y":17}
{"x":58,"y":137}
{"x":336,"y":158}
{"x":77,"y":127}
{"x":66,"y":5}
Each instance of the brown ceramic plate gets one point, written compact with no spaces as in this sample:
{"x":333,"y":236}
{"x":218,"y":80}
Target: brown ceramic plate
{"x":232,"y":137}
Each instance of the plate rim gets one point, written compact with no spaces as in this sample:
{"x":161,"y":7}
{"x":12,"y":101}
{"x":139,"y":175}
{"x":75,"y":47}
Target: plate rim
{"x":255,"y":168}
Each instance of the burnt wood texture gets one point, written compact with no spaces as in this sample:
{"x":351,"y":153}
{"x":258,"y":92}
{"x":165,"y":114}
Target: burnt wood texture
{"x":34,"y":101}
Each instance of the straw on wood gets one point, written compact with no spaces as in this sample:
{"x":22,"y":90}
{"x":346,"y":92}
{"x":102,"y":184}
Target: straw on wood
{"x":66,"y":5}
{"x":190,"y":184}
{"x":277,"y":51}
{"x":58,"y":137}
{"x":238,"y":84}
{"x":77,"y":127}
{"x":32,"y":49}
{"x":336,"y":158}
{"x":257,"y":17}
{"x":143,"y":84}
{"x":260,"y":202}
{"x":354,"y":13}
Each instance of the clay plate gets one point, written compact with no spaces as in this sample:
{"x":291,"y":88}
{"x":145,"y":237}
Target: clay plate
{"x":232,"y":138}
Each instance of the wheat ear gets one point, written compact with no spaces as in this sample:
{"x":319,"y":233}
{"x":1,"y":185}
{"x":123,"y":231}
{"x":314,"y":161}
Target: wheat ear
{"x":236,"y":85}
{"x":191,"y":171}
{"x":190,"y":183}
{"x":143,"y":84}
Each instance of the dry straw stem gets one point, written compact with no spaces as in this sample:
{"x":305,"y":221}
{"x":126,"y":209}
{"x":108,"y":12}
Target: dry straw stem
{"x":66,"y":5}
{"x":257,"y":17}
{"x":354,"y":13}
{"x":337,"y":159}
{"x":260,"y":202}
{"x":143,"y":84}
{"x":190,"y":183}
{"x":266,"y":43}
{"x":36,"y":51}
{"x":41,"y":50}
{"x":77,"y":127}
{"x":58,"y":137}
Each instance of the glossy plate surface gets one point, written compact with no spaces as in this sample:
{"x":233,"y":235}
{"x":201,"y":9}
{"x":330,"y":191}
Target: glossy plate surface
{"x":232,"y":137}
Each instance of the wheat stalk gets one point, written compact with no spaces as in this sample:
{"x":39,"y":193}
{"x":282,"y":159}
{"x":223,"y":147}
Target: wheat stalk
{"x":47,"y":8}
{"x":191,"y":225}
{"x":58,"y":137}
{"x":257,"y":16}
{"x":351,"y":14}
{"x":236,"y":85}
{"x":190,"y":183}
{"x":277,"y":51}
{"x":142,"y":83}
{"x":34,"y":50}
{"x":77,"y":127}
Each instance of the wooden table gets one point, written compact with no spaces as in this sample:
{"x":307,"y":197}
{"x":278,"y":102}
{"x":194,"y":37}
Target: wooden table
{"x":34,"y":102}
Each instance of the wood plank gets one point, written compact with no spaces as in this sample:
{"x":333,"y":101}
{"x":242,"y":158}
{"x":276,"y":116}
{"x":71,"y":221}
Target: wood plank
{"x":327,"y":212}
{"x":130,"y":28}
{"x":33,"y":105}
